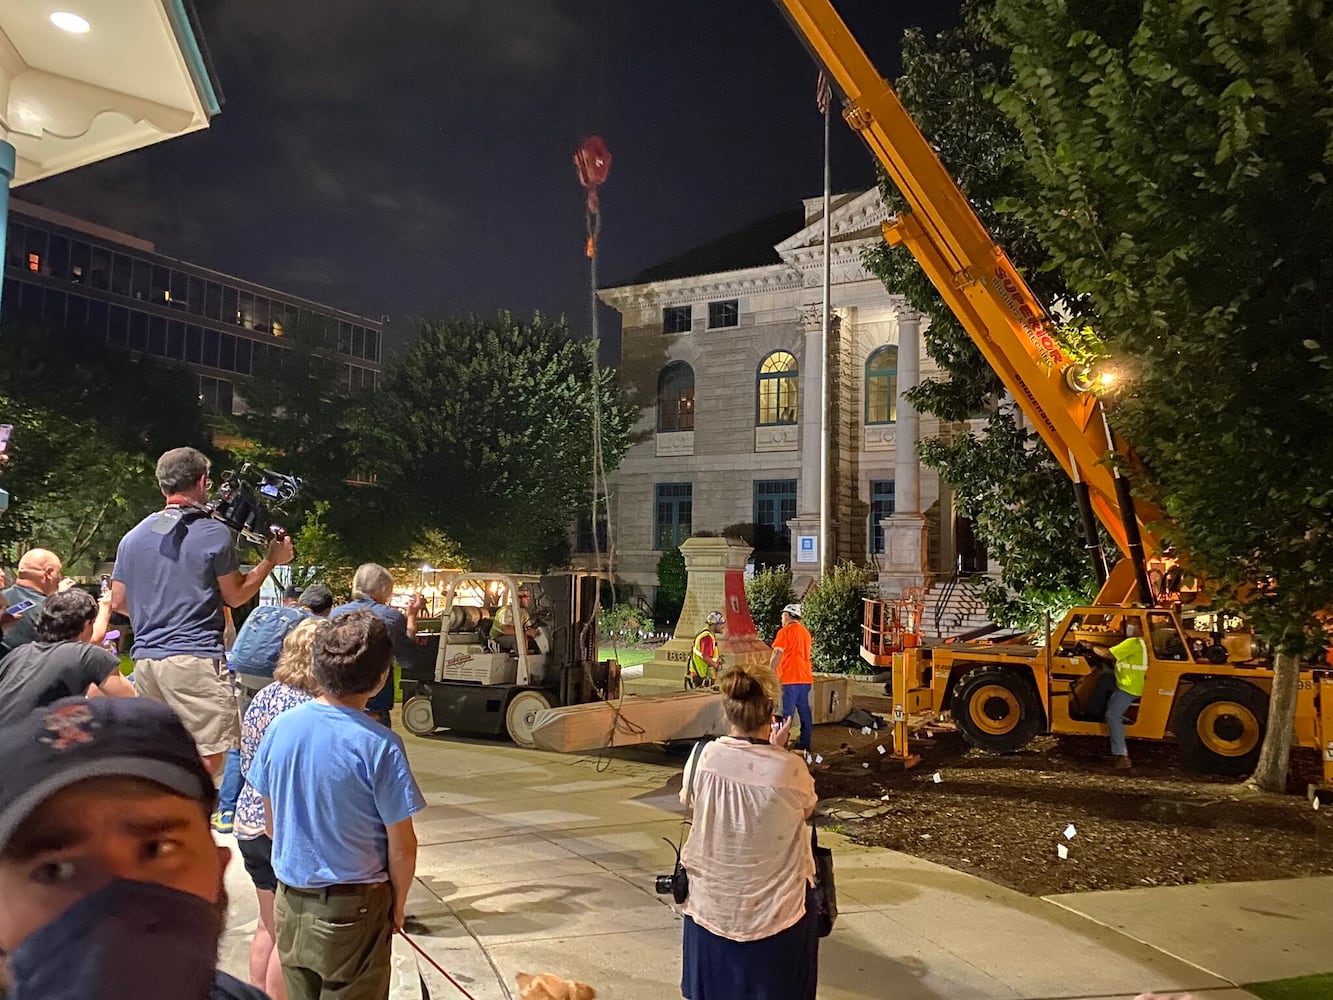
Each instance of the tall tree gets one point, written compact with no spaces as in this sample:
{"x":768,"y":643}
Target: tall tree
{"x":90,"y":423}
{"x":483,"y":426}
{"x":1003,"y":476}
{"x":1177,"y":158}
{"x":303,"y":418}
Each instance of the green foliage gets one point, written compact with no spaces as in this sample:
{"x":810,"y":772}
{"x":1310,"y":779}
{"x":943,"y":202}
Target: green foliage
{"x":89,"y":424}
{"x":671,"y":581}
{"x":1004,"y":478}
{"x":321,"y":556}
{"x":1177,"y":161}
{"x":768,"y":592}
{"x":298,"y":419}
{"x":624,"y":625}
{"x":833,"y":610}
{"x":484,"y":425}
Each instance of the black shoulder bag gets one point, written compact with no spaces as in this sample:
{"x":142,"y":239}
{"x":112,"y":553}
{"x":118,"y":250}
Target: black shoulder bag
{"x":826,"y":892}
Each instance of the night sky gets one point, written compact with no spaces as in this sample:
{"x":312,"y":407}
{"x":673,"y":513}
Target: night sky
{"x":418,"y":162}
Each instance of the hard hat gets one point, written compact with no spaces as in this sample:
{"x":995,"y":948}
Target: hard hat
{"x":716,"y":618}
{"x":792,"y":609}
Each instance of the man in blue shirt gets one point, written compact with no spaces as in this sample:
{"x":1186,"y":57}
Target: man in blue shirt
{"x":372,"y":588}
{"x":339,"y":798}
{"x":174,"y":572}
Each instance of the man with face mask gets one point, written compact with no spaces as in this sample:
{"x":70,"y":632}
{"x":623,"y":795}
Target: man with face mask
{"x":111,"y":882}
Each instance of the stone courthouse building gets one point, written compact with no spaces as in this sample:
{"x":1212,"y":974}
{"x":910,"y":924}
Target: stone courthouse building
{"x":721,"y":349}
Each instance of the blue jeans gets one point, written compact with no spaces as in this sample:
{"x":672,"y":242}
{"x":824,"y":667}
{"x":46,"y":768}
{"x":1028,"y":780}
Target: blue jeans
{"x":232,"y":783}
{"x":797,"y":697}
{"x":1115,"y":720}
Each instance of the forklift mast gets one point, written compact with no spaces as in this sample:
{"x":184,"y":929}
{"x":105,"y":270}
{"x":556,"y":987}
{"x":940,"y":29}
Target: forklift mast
{"x":987,"y":294}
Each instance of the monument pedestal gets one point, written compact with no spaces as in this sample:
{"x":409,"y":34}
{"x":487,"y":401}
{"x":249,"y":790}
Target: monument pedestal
{"x":716,"y":582}
{"x":906,"y":547}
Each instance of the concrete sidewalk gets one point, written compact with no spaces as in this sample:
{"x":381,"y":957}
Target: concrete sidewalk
{"x":536,"y":862}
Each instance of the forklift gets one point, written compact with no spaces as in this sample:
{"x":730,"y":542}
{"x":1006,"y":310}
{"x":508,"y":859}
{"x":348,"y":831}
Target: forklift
{"x":478,"y":685}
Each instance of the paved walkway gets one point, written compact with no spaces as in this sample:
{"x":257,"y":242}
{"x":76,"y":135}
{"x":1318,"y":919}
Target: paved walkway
{"x":536,"y":862}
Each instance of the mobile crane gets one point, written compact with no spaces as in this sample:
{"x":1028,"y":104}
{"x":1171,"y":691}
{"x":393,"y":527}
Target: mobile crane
{"x":1000,"y":696}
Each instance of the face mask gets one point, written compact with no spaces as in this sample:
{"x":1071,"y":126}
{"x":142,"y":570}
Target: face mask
{"x":129,"y":939}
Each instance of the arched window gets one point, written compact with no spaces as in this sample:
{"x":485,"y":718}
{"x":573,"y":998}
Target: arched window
{"x":675,"y":398}
{"x":882,"y":386}
{"x":777,"y":390}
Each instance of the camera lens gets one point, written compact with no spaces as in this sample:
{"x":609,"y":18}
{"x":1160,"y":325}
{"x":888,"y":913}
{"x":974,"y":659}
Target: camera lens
{"x":665,"y":884}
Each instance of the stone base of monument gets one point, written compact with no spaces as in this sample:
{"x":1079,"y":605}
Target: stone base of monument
{"x":716,"y":582}
{"x":665,"y":672}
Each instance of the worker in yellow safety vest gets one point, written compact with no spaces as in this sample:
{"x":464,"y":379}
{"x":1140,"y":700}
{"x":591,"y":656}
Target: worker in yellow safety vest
{"x":1131,"y":670}
{"x":706,"y":657}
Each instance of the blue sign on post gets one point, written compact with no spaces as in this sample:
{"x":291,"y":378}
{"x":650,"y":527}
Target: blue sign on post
{"x":807,"y":548}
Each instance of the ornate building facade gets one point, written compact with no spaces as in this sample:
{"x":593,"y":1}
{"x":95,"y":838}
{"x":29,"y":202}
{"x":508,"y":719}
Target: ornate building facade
{"x":726,"y":367}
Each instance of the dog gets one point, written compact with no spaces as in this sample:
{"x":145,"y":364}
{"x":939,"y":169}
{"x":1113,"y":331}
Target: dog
{"x":549,"y":987}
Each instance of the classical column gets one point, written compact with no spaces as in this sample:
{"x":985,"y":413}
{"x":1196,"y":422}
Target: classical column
{"x":906,"y":545}
{"x":812,"y":419}
{"x":805,"y":526}
{"x":8,"y":159}
{"x":907,"y":463}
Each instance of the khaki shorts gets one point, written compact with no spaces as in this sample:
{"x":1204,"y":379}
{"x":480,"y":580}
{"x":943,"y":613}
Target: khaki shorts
{"x":197,"y":690}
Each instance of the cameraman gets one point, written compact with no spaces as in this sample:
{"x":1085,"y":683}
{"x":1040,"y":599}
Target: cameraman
{"x":175,"y":570}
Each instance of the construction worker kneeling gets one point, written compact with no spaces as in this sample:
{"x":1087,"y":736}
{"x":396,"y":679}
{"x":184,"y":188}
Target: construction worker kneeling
{"x":706,"y":657}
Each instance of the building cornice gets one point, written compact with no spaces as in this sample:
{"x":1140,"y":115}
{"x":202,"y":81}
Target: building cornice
{"x":702,"y":288}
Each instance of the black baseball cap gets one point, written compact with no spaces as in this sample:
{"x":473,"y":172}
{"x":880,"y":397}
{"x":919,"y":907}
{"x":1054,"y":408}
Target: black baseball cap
{"x":317,"y":597}
{"x":75,"y":739}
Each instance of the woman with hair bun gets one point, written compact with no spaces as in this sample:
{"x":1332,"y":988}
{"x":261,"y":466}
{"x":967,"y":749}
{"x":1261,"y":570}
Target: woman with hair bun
{"x":750,"y":917}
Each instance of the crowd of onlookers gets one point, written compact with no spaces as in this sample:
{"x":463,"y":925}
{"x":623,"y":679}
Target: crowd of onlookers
{"x":111,"y":880}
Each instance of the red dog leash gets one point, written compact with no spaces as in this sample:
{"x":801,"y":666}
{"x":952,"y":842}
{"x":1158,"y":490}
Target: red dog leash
{"x":436,"y":966}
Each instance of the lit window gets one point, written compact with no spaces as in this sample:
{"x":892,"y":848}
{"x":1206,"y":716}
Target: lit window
{"x":777,"y":390}
{"x":882,"y":386}
{"x":34,"y":262}
{"x":675,"y":398}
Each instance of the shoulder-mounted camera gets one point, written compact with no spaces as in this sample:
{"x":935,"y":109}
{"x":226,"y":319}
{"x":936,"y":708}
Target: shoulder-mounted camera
{"x":245,"y":500}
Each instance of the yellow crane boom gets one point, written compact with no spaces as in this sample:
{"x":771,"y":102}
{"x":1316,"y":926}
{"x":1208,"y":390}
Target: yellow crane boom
{"x":984,"y":290}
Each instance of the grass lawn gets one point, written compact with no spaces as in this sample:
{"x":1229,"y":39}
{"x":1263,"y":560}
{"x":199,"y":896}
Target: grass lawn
{"x":1304,"y":988}
{"x":627,"y":657}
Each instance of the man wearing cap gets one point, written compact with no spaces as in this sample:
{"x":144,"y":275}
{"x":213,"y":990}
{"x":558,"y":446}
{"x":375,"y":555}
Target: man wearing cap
{"x":791,"y":662}
{"x":705,"y":656}
{"x":111,"y":881}
{"x":503,"y":625}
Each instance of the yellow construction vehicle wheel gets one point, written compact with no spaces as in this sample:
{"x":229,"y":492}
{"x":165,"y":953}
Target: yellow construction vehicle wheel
{"x":1219,"y":725}
{"x":997,"y":709}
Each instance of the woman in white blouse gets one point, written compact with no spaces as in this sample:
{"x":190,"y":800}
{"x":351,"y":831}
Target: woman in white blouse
{"x":750,"y":929}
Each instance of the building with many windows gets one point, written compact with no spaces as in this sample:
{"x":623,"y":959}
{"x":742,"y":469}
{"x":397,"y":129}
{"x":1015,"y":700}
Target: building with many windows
{"x":724,"y":354}
{"x":71,"y":274}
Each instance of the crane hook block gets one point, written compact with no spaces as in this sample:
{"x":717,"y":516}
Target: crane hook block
{"x":592,"y":160}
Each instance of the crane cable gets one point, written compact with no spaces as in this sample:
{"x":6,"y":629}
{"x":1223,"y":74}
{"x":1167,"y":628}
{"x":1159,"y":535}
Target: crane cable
{"x":592,"y":162}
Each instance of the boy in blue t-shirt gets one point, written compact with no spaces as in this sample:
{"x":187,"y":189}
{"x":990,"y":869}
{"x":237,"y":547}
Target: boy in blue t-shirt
{"x":339,"y":798}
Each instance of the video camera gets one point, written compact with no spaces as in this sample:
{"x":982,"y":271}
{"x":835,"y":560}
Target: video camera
{"x":245,"y":499}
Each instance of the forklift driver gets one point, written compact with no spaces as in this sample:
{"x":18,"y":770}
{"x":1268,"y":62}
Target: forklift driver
{"x":502,"y":625}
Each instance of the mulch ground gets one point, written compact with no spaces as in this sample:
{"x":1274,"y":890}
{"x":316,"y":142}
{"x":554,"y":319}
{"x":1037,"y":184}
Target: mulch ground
{"x":1002,"y":817}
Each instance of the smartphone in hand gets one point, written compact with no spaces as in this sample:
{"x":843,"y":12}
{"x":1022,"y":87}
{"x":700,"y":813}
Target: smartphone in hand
{"x":17,"y":608}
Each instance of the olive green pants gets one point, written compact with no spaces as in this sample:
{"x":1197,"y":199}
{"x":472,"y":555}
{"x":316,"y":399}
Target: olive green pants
{"x":335,"y":943}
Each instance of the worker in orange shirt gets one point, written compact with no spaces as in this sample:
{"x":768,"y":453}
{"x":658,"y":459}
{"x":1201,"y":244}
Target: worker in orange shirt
{"x":791,"y":662}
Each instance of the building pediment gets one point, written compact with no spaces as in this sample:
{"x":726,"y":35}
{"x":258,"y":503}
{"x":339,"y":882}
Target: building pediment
{"x":855,"y":220}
